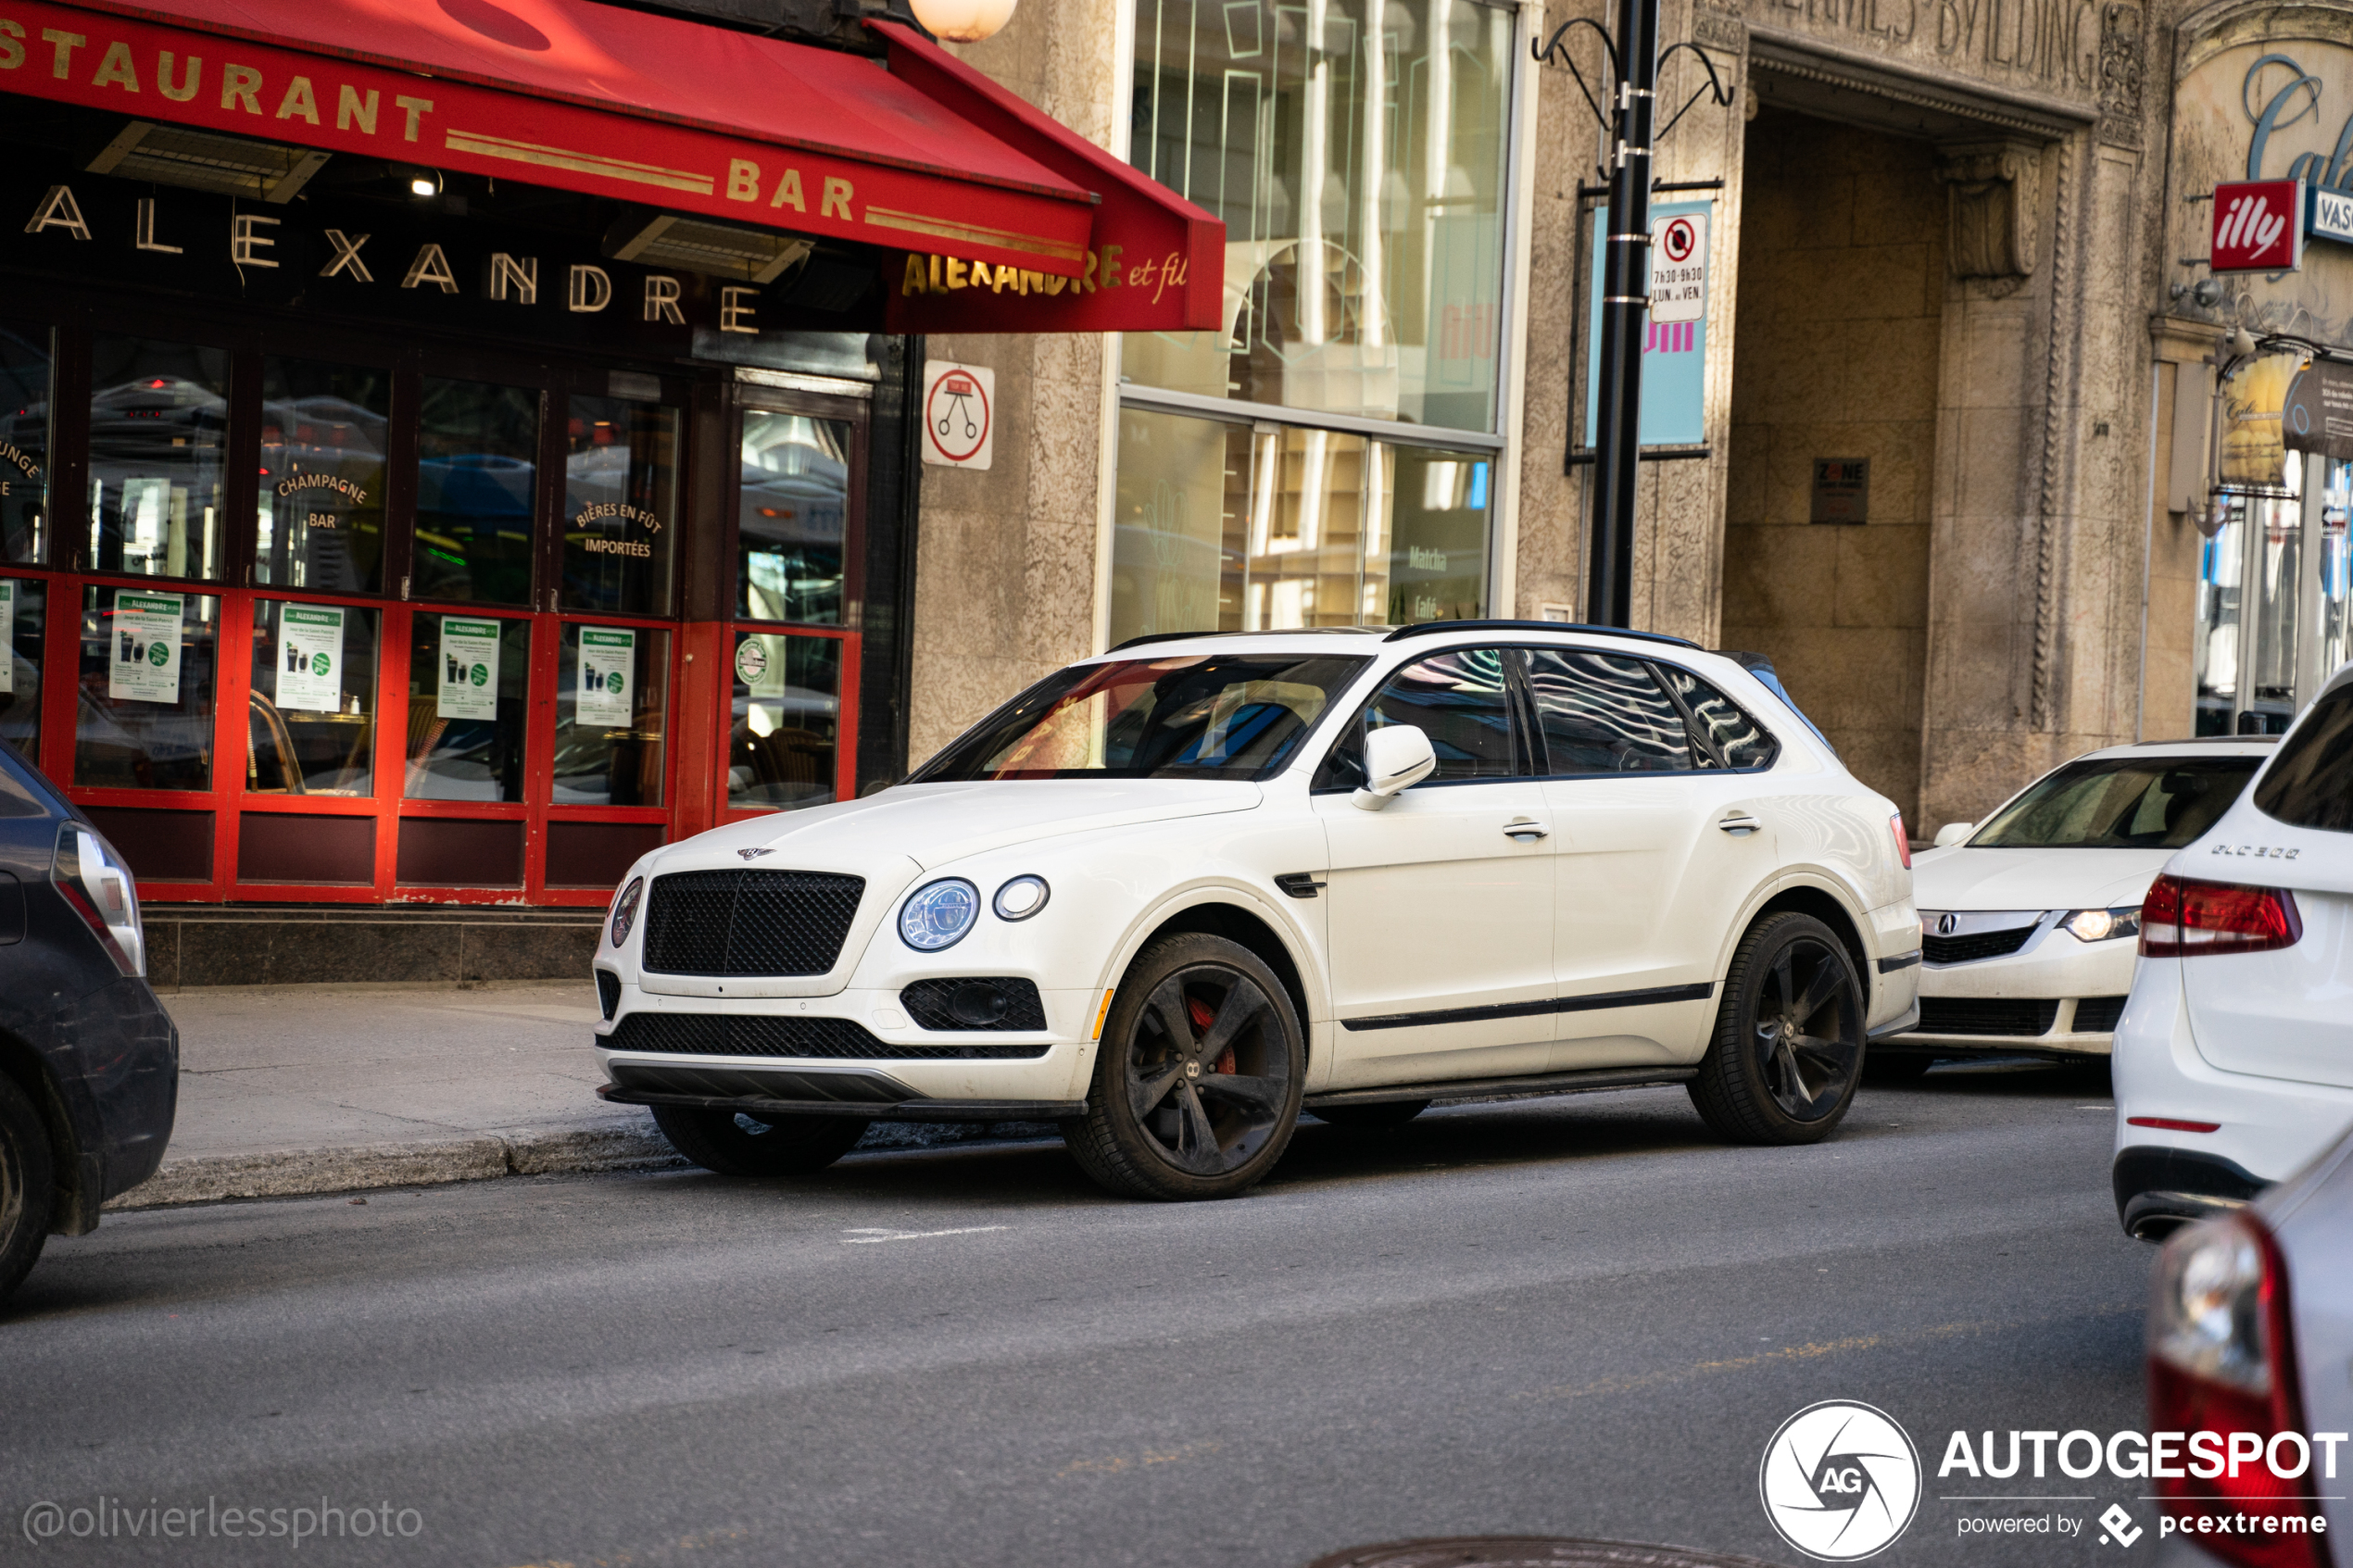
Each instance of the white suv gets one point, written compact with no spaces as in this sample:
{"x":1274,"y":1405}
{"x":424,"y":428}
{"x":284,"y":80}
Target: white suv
{"x":2233,"y":1060}
{"x":1176,"y":894}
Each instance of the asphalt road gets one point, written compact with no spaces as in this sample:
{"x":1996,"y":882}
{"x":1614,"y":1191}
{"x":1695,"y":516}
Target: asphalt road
{"x":1570,"y":1316}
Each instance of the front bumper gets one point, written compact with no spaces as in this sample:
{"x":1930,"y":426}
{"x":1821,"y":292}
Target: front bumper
{"x":2054,"y":997}
{"x":859,"y":1054}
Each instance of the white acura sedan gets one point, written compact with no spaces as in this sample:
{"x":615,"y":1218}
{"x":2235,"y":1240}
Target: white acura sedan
{"x":2027,"y":919}
{"x":1172,"y":896}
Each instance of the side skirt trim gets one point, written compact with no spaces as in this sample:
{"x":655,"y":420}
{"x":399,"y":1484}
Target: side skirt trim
{"x":901,"y":1111}
{"x":1583,"y":1082}
{"x":1592,"y":1003}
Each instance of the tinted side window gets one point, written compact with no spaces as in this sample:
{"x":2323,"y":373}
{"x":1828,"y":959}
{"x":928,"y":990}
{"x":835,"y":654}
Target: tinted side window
{"x":1603,"y":713}
{"x":1741,"y":740}
{"x":1463,"y":702}
{"x":2310,"y":783}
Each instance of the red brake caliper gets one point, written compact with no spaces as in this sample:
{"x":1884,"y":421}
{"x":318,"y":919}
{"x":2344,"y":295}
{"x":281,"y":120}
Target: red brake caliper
{"x":1203,"y":1017}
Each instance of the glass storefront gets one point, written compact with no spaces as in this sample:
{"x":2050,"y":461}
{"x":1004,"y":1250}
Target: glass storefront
{"x":2271,"y":598}
{"x":1240,"y":528}
{"x":1357,"y":157}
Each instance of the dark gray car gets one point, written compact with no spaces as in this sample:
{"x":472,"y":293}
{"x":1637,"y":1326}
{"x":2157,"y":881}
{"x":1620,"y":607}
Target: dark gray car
{"x":88,"y":1060}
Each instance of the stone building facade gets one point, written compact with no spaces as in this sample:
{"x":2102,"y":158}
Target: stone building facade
{"x":1944,"y":237}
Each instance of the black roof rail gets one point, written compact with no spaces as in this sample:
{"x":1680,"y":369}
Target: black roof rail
{"x":1428,"y":628}
{"x":1284,"y":632}
{"x":1164,"y":637}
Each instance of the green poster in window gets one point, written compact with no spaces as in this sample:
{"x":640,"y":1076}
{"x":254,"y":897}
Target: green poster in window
{"x":469,"y":686}
{"x":311,"y":658}
{"x":608,"y":668}
{"x":144,"y":665}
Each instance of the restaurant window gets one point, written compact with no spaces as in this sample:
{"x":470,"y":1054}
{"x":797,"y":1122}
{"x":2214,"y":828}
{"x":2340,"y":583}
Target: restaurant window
{"x":143,"y":719}
{"x":620,"y":505}
{"x":2271,"y":600}
{"x":785,"y":727}
{"x":21,"y":603}
{"x":477,"y":469}
{"x":1355,"y":153}
{"x":25,"y":367}
{"x":311,"y":713}
{"x":158,"y":428}
{"x":320,"y":523}
{"x":468,"y":676}
{"x":793,"y":518}
{"x":611,"y":703}
{"x":1230,"y":527}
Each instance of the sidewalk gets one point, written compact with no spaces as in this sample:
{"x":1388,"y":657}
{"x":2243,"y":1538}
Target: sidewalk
{"x":287,"y":1089}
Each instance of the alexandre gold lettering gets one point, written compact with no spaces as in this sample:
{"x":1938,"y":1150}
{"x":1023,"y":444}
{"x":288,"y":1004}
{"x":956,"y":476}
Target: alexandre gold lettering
{"x":58,"y":211}
{"x":246,"y":245}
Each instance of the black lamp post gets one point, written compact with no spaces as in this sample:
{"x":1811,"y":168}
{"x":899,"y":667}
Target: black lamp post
{"x":1634,"y":60}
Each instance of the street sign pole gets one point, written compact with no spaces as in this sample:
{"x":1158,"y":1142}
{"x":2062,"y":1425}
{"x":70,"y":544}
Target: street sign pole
{"x":1625,"y":297}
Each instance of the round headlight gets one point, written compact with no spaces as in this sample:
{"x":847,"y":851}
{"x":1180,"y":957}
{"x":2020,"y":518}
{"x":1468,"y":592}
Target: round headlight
{"x":1021,"y":897}
{"x":625,"y":910}
{"x":938,"y":916}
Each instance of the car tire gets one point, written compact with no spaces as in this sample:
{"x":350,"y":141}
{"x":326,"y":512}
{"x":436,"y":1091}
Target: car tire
{"x":1198,"y":1077}
{"x":1788,"y":1047}
{"x":1377,"y":1117}
{"x":28,"y":1185}
{"x":1897,"y":1067}
{"x":733,"y":1143}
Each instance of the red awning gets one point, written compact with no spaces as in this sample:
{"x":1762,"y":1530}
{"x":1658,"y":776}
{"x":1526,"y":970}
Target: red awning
{"x":611,"y":103}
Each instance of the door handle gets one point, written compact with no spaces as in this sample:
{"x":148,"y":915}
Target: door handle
{"x":1739,"y":824}
{"x":1525,"y":829}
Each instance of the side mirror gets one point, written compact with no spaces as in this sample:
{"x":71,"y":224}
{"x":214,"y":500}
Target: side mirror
{"x":1953,"y":833}
{"x":1396,"y":759}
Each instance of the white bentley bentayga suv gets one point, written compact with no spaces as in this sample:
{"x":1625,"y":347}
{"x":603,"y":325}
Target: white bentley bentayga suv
{"x":1175,"y":896}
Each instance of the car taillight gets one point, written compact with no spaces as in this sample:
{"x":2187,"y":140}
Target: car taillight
{"x":96,"y":885}
{"x":2220,"y":1360}
{"x":2183,"y":919}
{"x":1903,"y":844}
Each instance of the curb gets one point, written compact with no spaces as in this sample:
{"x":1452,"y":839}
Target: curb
{"x":530,"y":1151}
{"x":596,"y":1148}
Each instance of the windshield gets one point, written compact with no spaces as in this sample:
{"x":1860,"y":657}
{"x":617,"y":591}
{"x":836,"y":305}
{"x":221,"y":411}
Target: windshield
{"x":1187,"y":716}
{"x":2125,"y":803}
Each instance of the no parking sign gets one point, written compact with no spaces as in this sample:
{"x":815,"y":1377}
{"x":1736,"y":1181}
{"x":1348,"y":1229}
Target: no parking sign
{"x":959,"y":419}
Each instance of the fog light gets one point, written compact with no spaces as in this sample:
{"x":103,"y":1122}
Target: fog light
{"x":1020,"y":898}
{"x":978,"y":1005}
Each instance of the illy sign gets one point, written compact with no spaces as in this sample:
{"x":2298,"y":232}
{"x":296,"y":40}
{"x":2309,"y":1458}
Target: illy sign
{"x":2258,"y":226}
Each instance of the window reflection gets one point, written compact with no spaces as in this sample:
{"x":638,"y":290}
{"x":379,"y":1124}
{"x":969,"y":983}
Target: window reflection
{"x":609,"y":716}
{"x":1221,"y":526}
{"x":143,"y":718}
{"x":158,"y":418}
{"x":621,"y":505}
{"x":23,"y":602}
{"x":320,"y":522}
{"x":466,"y":680}
{"x":24,"y":442}
{"x":792,"y":518}
{"x":477,"y":461}
{"x":1355,"y":153}
{"x":310,"y":712}
{"x":787,"y":724}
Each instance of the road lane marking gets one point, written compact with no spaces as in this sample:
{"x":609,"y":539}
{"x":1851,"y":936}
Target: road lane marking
{"x":866,"y":1236}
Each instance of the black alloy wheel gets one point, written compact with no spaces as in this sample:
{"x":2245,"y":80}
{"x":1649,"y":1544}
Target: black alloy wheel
{"x":1788,"y":1047}
{"x":27,"y":1187}
{"x":737,"y":1143}
{"x":1196,"y":1080}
